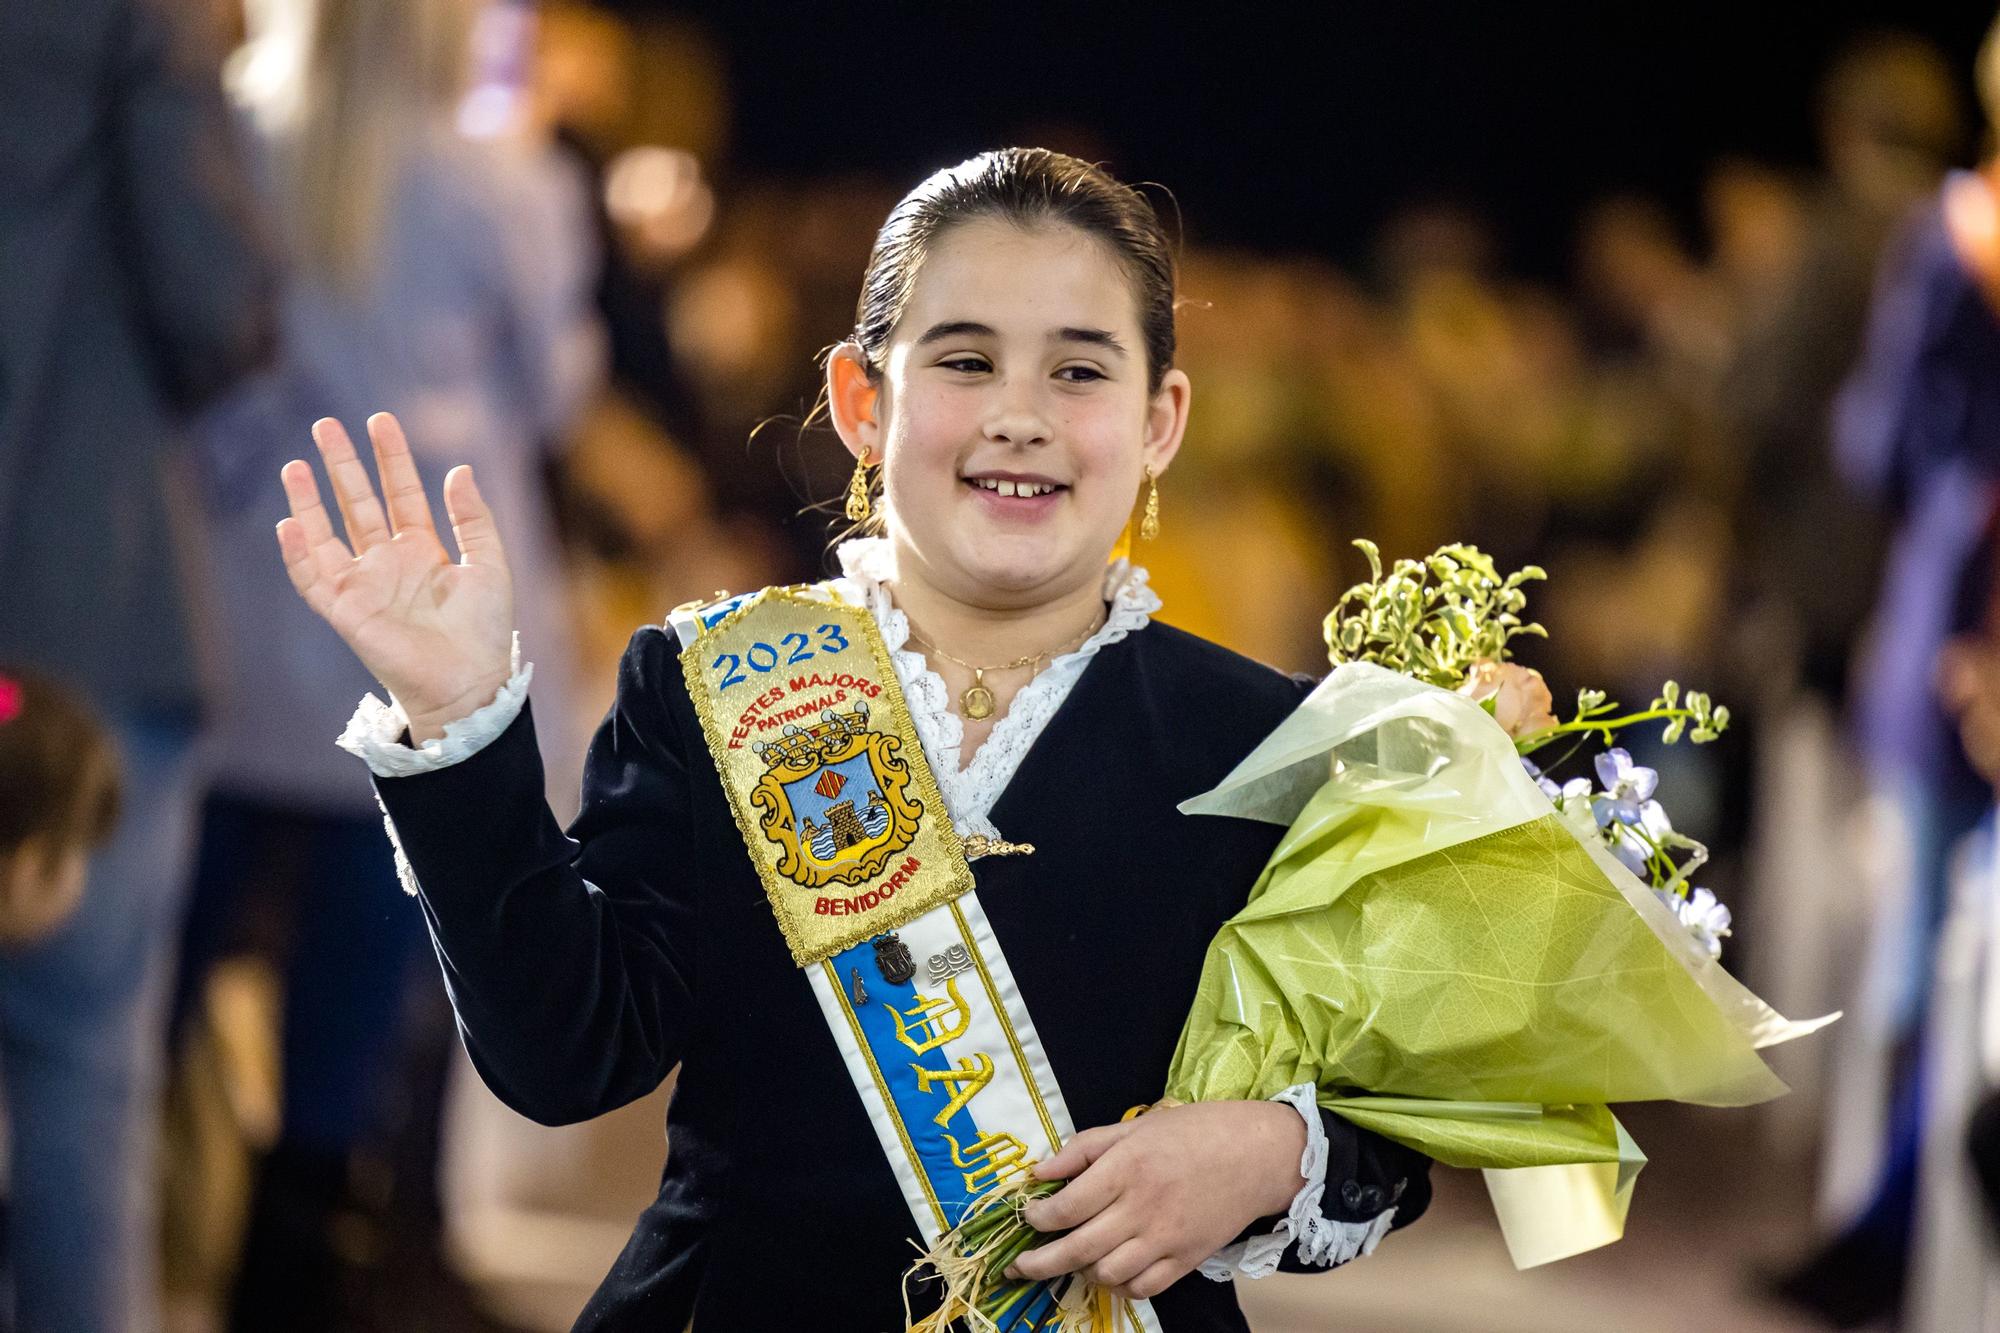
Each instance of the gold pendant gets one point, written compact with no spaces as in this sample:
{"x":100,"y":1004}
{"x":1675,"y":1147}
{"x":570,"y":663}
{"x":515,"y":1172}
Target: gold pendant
{"x":976,"y":702}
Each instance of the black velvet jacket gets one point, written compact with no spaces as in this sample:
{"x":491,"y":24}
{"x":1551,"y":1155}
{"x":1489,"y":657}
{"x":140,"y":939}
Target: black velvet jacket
{"x":585,"y":967}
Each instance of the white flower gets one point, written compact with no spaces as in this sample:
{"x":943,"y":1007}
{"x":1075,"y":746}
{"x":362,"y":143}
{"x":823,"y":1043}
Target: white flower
{"x":1573,"y":800}
{"x":1704,"y":917}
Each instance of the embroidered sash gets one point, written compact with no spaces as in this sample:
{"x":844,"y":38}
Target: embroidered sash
{"x":802,"y":712}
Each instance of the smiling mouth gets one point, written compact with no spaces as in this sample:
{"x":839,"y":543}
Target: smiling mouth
{"x":1011,"y":489}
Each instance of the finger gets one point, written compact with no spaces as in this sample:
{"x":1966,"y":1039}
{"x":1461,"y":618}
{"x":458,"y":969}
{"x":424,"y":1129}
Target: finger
{"x":360,"y":511}
{"x":302,"y":496}
{"x":402,"y":488}
{"x":472,"y":525}
{"x":1077,"y":1202}
{"x":1160,"y":1275}
{"x":1080,"y":1248}
{"x":300,"y":565}
{"x":1125,"y":1263}
{"x":1081,"y":1151}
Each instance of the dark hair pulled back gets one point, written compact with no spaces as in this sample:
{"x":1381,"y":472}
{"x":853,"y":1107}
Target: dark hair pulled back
{"x":1029,"y":187}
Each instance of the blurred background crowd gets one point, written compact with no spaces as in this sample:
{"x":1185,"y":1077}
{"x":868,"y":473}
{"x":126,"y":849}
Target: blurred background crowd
{"x":1700,"y":320}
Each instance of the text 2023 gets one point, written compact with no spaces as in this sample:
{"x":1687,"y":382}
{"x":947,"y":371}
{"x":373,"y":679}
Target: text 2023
{"x":762,"y":657}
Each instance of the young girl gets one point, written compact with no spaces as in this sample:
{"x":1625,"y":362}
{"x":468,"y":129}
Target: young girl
{"x":1010,"y":386}
{"x":58,"y":800}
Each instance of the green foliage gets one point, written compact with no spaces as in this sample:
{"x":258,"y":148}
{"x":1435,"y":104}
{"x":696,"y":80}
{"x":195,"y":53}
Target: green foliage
{"x":1596,"y":715}
{"x":1437,"y":618}
{"x":1431,"y":619}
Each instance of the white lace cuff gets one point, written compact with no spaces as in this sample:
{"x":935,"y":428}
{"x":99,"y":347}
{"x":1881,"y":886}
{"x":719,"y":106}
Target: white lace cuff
{"x":375,"y":736}
{"x":1321,"y":1240}
{"x":374,"y":733}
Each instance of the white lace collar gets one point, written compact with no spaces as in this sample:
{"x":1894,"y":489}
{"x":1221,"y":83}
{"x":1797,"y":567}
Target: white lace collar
{"x":868,"y":568}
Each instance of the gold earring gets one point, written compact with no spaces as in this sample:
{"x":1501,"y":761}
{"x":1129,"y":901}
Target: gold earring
{"x":857,"y":490}
{"x":1149,"y":523}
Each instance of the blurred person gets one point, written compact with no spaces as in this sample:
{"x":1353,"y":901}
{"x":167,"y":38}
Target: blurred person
{"x":1384,"y":433}
{"x":1755,"y":218}
{"x":1971,"y":685}
{"x":1258,"y":487}
{"x":778,"y":266}
{"x":132,"y":291}
{"x":1655,"y":335}
{"x":448,"y":277}
{"x":1889,"y":124}
{"x":1809,"y":553}
{"x":583,"y":89}
{"x":58,"y":803}
{"x":661,"y":539}
{"x":1651,"y":293}
{"x":1954,"y":1278}
{"x":1916,"y":428}
{"x":1502,"y":362}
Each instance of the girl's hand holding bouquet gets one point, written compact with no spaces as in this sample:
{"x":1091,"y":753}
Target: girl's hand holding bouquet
{"x":1148,"y":1199}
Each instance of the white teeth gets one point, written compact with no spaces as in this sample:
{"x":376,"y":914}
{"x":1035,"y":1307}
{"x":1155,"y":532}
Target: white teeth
{"x":1012,"y":488}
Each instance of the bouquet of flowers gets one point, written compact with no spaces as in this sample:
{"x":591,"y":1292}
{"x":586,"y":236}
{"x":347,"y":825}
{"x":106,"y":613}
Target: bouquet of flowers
{"x":1461,"y":951}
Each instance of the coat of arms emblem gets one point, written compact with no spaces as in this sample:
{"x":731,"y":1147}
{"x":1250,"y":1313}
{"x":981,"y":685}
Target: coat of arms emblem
{"x":893,"y":959}
{"x":835,"y":798}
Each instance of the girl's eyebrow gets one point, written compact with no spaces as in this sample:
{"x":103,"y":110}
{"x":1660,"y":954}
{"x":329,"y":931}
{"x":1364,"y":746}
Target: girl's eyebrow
{"x":956,"y":328}
{"x":971,"y":328}
{"x":1094,"y":337}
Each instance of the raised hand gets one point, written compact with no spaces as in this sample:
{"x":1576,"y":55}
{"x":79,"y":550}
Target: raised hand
{"x":437,"y":634}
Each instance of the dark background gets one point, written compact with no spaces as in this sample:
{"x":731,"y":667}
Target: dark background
{"x":1289,"y":128}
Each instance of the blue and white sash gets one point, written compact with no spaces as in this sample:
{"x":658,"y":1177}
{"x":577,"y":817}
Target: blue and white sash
{"x":899,"y":953}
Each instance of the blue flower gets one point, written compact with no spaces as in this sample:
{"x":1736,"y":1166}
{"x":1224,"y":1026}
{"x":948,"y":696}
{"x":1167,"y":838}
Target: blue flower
{"x":1628,"y":789}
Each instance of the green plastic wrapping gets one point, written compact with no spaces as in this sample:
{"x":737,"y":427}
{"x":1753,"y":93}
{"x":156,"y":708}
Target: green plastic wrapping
{"x":1444,"y":957}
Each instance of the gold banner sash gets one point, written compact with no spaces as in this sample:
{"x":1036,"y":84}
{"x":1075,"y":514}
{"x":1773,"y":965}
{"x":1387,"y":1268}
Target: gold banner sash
{"x":802,"y":712}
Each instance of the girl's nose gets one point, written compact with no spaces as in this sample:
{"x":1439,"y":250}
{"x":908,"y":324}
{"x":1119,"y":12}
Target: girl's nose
{"x":1017,"y":422}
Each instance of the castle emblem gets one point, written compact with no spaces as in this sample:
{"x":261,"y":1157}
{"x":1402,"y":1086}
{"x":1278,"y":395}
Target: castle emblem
{"x":835,"y":798}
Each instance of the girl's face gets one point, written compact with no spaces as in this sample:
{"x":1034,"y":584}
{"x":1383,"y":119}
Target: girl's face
{"x":1012,"y":419}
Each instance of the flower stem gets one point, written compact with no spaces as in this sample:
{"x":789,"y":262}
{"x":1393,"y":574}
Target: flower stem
{"x":1608,"y":727}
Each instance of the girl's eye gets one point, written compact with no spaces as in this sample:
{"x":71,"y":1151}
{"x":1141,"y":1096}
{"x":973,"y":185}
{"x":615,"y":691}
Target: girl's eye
{"x":969,"y":365}
{"x":1080,"y":374}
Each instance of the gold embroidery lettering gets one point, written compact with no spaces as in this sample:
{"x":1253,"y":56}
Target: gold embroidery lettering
{"x":929,"y":1031}
{"x":992,"y":1159}
{"x":973,"y":1073}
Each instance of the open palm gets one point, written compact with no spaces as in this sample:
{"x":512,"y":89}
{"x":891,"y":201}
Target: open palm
{"x":437,"y":634}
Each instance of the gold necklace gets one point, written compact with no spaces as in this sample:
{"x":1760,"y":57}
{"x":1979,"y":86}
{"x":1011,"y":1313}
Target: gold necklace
{"x":975,"y":701}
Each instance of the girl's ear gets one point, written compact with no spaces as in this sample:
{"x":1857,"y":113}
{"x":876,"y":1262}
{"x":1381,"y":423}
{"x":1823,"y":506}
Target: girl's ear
{"x":1166,"y":420}
{"x":851,"y":398}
